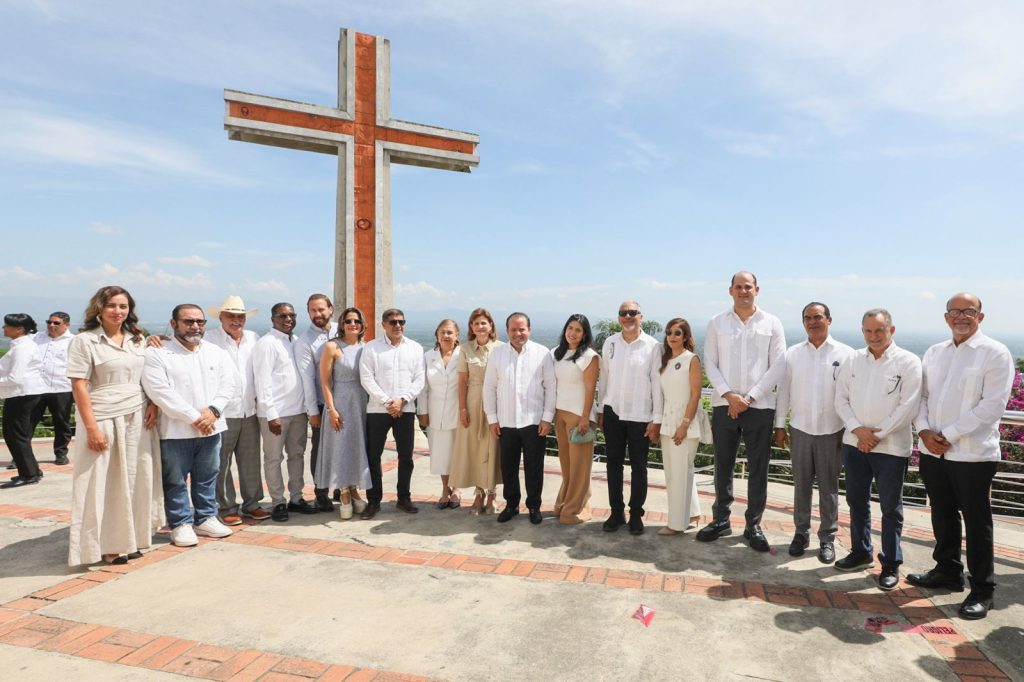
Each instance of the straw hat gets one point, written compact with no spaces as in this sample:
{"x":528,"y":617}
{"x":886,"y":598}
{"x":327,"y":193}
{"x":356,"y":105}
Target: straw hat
{"x":233,"y":305}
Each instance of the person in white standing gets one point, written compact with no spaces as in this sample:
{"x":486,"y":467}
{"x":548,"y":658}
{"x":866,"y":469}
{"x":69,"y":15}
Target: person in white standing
{"x":281,"y":409}
{"x":191,"y":381}
{"x":877,"y":398}
{"x":967,"y":382}
{"x":309,"y":348}
{"x":437,"y":406}
{"x":815,"y":429}
{"x":241,"y":441}
{"x":58,"y":399}
{"x":519,"y":401}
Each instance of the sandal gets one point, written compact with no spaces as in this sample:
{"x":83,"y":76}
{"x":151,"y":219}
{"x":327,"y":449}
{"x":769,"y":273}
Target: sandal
{"x":478,"y":504}
{"x":453,"y":501}
{"x":115,"y":559}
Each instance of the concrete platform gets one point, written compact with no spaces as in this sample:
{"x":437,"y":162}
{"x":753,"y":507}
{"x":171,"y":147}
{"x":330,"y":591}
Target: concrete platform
{"x":448,"y":595}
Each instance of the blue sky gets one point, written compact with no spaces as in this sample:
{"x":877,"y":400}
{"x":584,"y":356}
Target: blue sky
{"x":860,"y":153}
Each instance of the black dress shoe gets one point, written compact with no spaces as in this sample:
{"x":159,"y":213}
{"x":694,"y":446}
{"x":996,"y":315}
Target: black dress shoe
{"x":303,"y":507}
{"x":714,"y":530}
{"x":755,"y":536}
{"x":855,"y":561}
{"x":934,"y":579}
{"x":975,"y":608}
{"x":11,"y":466}
{"x":799,"y":544}
{"x":135,"y":555}
{"x":636,"y":524}
{"x":507,"y":513}
{"x":889,"y":578}
{"x":19,"y":481}
{"x":613,"y":522}
{"x":371,"y":510}
{"x":323,"y":502}
{"x":61,"y":460}
{"x":535,"y":516}
{"x":280,"y":512}
{"x":827,"y":553}
{"x":407,"y":506}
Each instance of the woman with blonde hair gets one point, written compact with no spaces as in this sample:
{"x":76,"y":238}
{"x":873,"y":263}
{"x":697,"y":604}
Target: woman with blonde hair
{"x":438,"y":405}
{"x":116,"y":491}
{"x":475,"y":460}
{"x":681,"y":378}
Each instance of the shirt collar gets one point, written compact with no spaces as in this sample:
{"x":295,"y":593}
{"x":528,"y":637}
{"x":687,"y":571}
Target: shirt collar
{"x":281,"y":335}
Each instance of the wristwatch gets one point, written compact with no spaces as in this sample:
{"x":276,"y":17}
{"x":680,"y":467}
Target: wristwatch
{"x":216,"y":412}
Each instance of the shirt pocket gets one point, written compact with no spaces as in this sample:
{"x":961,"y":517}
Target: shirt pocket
{"x":969,"y":382}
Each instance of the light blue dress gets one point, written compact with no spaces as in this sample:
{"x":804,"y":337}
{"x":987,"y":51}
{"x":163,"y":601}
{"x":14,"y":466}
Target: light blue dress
{"x":342,"y":461}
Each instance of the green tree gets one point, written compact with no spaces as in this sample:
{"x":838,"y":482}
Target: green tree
{"x":605,"y":328}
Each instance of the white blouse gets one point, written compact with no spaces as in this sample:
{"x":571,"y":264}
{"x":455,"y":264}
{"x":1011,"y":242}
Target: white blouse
{"x":569,"y":387}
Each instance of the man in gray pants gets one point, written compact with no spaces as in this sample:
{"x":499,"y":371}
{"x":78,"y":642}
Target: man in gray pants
{"x":815,"y":430}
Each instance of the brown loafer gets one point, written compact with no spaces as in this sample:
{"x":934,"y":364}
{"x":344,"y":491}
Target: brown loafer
{"x":231,"y":520}
{"x":371,"y":510}
{"x":257,"y":514}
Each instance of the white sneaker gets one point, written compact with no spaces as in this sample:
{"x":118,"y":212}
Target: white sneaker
{"x":184,"y":536}
{"x":213,"y":528}
{"x":346,"y":511}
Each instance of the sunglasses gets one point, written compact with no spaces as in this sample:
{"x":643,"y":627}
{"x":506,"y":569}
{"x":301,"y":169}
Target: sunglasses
{"x":628,"y":313}
{"x":54,"y":323}
{"x":396,"y":323}
{"x":285,"y":316}
{"x":193,"y":323}
{"x":674,"y":332}
{"x":353,"y":320}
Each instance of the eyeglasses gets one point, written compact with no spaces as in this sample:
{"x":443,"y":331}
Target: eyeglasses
{"x":628,"y":313}
{"x":353,"y":320}
{"x":674,"y":332}
{"x":396,"y":323}
{"x":193,"y":323}
{"x":54,"y":323}
{"x":962,"y":312}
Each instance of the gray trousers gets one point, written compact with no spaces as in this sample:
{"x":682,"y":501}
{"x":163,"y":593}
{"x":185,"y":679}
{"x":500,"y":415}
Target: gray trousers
{"x":242,"y":442}
{"x":816,"y":458}
{"x":293,"y":442}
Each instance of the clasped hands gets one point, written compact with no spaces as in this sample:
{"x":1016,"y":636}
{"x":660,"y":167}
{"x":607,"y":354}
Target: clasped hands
{"x":207,"y":422}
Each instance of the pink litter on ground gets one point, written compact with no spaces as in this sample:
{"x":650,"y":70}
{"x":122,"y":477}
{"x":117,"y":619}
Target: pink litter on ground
{"x":876,"y":623}
{"x":772,"y":551}
{"x":644,"y":614}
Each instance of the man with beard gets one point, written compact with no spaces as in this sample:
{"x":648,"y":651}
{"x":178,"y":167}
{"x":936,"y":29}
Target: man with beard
{"x":191,"y":381}
{"x":308,"y":349}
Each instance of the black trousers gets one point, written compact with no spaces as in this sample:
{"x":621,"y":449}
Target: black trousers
{"x":955,"y":489}
{"x":59,"y":405}
{"x":620,"y":435}
{"x":18,"y":433}
{"x":755,"y":428}
{"x":527,"y":444}
{"x":315,"y":443}
{"x":377,"y":427}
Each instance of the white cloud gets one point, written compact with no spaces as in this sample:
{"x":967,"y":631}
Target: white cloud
{"x":26,"y":275}
{"x":267,"y":286}
{"x":927,"y":295}
{"x":104,"y":228}
{"x":193,"y":260}
{"x":421,"y":289}
{"x":137,"y":274}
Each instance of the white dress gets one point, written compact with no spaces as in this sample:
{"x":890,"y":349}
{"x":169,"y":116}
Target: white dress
{"x":680,"y":485}
{"x":439,"y":400}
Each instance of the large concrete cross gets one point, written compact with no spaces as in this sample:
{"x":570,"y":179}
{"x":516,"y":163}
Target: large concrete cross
{"x":361,"y":132}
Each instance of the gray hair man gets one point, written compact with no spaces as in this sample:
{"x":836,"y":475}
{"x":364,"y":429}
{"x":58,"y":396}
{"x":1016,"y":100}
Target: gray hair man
{"x":967,"y":382}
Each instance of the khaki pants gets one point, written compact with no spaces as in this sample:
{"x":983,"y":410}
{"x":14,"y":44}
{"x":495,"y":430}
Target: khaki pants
{"x":572,"y":504}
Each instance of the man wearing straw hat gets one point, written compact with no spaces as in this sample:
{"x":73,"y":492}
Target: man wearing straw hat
{"x":242,"y":439}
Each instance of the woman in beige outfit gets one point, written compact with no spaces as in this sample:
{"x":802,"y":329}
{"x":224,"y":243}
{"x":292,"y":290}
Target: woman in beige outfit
{"x":576,"y":370}
{"x":475,"y":459}
{"x":116,"y":494}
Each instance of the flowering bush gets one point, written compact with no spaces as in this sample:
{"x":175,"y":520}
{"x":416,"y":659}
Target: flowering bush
{"x":1013,"y":436}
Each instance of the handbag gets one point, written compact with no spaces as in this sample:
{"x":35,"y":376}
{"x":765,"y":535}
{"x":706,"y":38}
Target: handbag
{"x":705,"y":426}
{"x":578,"y":438}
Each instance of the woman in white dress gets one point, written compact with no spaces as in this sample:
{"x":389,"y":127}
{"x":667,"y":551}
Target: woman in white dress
{"x":576,"y":371}
{"x":680,"y":386}
{"x":438,"y":405}
{"x":116,"y":492}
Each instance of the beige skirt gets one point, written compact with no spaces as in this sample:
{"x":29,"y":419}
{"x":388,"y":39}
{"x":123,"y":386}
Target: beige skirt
{"x":116,"y":495}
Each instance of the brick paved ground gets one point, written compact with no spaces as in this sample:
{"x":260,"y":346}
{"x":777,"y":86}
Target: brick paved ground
{"x":446,"y":595}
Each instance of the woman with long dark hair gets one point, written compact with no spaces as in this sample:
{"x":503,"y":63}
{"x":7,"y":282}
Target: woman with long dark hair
{"x":341,"y":463}
{"x":680,"y":386}
{"x":21,"y":385}
{"x":116,"y":492}
{"x":576,"y":372}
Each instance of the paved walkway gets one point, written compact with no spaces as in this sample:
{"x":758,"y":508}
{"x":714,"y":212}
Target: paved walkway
{"x":446,"y":595}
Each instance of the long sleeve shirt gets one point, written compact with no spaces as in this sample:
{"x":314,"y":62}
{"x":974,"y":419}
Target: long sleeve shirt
{"x":629,"y":379}
{"x":21,"y":369}
{"x":309,"y":348}
{"x":748,"y":359}
{"x":808,"y":387}
{"x":54,"y":354}
{"x":439,"y":398}
{"x":390,"y":372}
{"x":519,"y":387}
{"x":880,"y":393}
{"x":278,"y":387}
{"x":244,"y":402}
{"x":183,"y":382}
{"x":963,"y":396}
